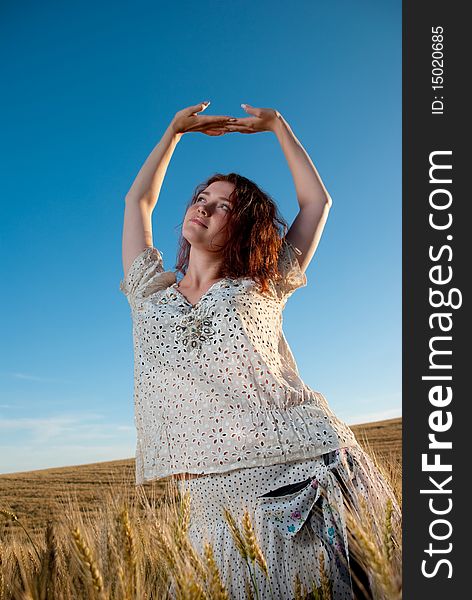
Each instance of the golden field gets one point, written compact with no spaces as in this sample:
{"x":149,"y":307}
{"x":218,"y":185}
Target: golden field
{"x":36,"y":496}
{"x":88,"y":532}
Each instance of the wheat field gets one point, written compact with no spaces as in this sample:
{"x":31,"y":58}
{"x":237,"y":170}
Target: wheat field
{"x":88,"y":532}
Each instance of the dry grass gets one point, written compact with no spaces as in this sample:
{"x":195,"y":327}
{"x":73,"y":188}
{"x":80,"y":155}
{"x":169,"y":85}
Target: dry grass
{"x":87,"y":532}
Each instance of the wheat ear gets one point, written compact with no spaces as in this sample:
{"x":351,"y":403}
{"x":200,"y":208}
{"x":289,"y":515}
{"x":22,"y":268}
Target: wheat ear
{"x":13,"y":517}
{"x":373,"y":558}
{"x":253,"y":549}
{"x":325,"y":584}
{"x":217,"y":589}
{"x":87,"y":559}
{"x":236,"y":534}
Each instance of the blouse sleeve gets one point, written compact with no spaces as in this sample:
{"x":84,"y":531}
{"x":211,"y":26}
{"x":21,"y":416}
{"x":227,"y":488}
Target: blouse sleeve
{"x":144,"y":276}
{"x":290,"y":273}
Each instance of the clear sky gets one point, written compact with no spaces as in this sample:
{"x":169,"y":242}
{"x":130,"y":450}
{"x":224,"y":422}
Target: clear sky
{"x":88,"y":90}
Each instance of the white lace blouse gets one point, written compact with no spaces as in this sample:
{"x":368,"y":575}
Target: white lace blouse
{"x":216,"y":386}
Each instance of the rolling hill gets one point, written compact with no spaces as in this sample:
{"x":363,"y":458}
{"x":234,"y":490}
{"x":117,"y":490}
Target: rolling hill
{"x":36,"y":496}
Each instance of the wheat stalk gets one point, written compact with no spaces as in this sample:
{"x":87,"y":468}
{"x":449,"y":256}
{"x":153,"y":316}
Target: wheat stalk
{"x":129,"y":540}
{"x":249,"y":592}
{"x":388,"y":541}
{"x":165,"y":547}
{"x":183,"y":562}
{"x":369,"y":555}
{"x":194,"y":558}
{"x":2,"y":578}
{"x":13,"y":517}
{"x":244,"y":545}
{"x":130,"y":550}
{"x":217,"y":589}
{"x":190,"y":589}
{"x":249,"y":537}
{"x":324,"y":579}
{"x":88,"y":560}
{"x":236,"y":534}
{"x":179,"y":519}
{"x":297,"y":588}
{"x":184,"y":514}
{"x":253,"y":549}
{"x":48,"y":565}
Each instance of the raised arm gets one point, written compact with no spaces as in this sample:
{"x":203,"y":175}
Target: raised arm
{"x":143,"y":195}
{"x":142,"y":198}
{"x":313,"y":198}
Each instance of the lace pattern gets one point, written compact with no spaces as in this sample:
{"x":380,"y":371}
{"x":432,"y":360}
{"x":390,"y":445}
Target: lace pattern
{"x":216,"y":386}
{"x":291,"y":275}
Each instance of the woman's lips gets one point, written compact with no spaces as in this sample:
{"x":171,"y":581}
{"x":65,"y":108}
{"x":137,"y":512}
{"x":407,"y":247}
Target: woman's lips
{"x":199,"y":223}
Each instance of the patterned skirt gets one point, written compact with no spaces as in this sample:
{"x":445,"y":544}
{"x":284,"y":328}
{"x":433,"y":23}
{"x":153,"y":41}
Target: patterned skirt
{"x":298,"y":515}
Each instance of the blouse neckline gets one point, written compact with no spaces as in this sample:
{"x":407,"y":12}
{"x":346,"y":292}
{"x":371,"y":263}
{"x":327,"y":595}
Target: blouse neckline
{"x":212,"y":286}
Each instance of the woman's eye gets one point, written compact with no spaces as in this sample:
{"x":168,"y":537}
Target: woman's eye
{"x":223,"y":205}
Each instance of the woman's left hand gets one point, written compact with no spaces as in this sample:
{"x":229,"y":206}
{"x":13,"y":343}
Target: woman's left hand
{"x":262,"y":119}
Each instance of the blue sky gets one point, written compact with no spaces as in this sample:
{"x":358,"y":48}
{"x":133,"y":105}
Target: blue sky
{"x":88,"y":90}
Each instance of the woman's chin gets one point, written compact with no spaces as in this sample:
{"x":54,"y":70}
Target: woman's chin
{"x":193,"y":232}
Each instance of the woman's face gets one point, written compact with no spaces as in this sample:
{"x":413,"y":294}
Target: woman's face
{"x":212,"y":208}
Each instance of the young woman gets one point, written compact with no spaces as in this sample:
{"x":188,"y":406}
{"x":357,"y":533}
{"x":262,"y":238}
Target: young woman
{"x":219,"y":402}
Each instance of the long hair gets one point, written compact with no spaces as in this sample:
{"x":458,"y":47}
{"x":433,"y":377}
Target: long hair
{"x":253,"y":242}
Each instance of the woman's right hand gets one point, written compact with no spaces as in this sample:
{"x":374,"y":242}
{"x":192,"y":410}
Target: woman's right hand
{"x":187,"y":120}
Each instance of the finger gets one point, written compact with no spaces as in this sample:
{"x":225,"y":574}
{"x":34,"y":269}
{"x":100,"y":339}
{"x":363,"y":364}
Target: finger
{"x":240,"y":126}
{"x":198,"y":125}
{"x":215,"y":132}
{"x":252,"y":110}
{"x":244,"y":121}
{"x":198,"y":107}
{"x":214,"y":128}
{"x":243,"y":129}
{"x":215,"y":119}
{"x":218,"y":124}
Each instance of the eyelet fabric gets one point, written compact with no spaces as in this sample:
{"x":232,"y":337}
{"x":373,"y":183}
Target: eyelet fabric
{"x":298,"y":511}
{"x":216,"y":386}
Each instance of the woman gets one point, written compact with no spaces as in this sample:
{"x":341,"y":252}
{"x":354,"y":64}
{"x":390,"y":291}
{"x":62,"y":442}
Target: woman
{"x":219,"y":402}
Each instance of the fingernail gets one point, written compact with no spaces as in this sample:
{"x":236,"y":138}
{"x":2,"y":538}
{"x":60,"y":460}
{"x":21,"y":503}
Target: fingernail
{"x":243,"y":105}
{"x":207,"y":102}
